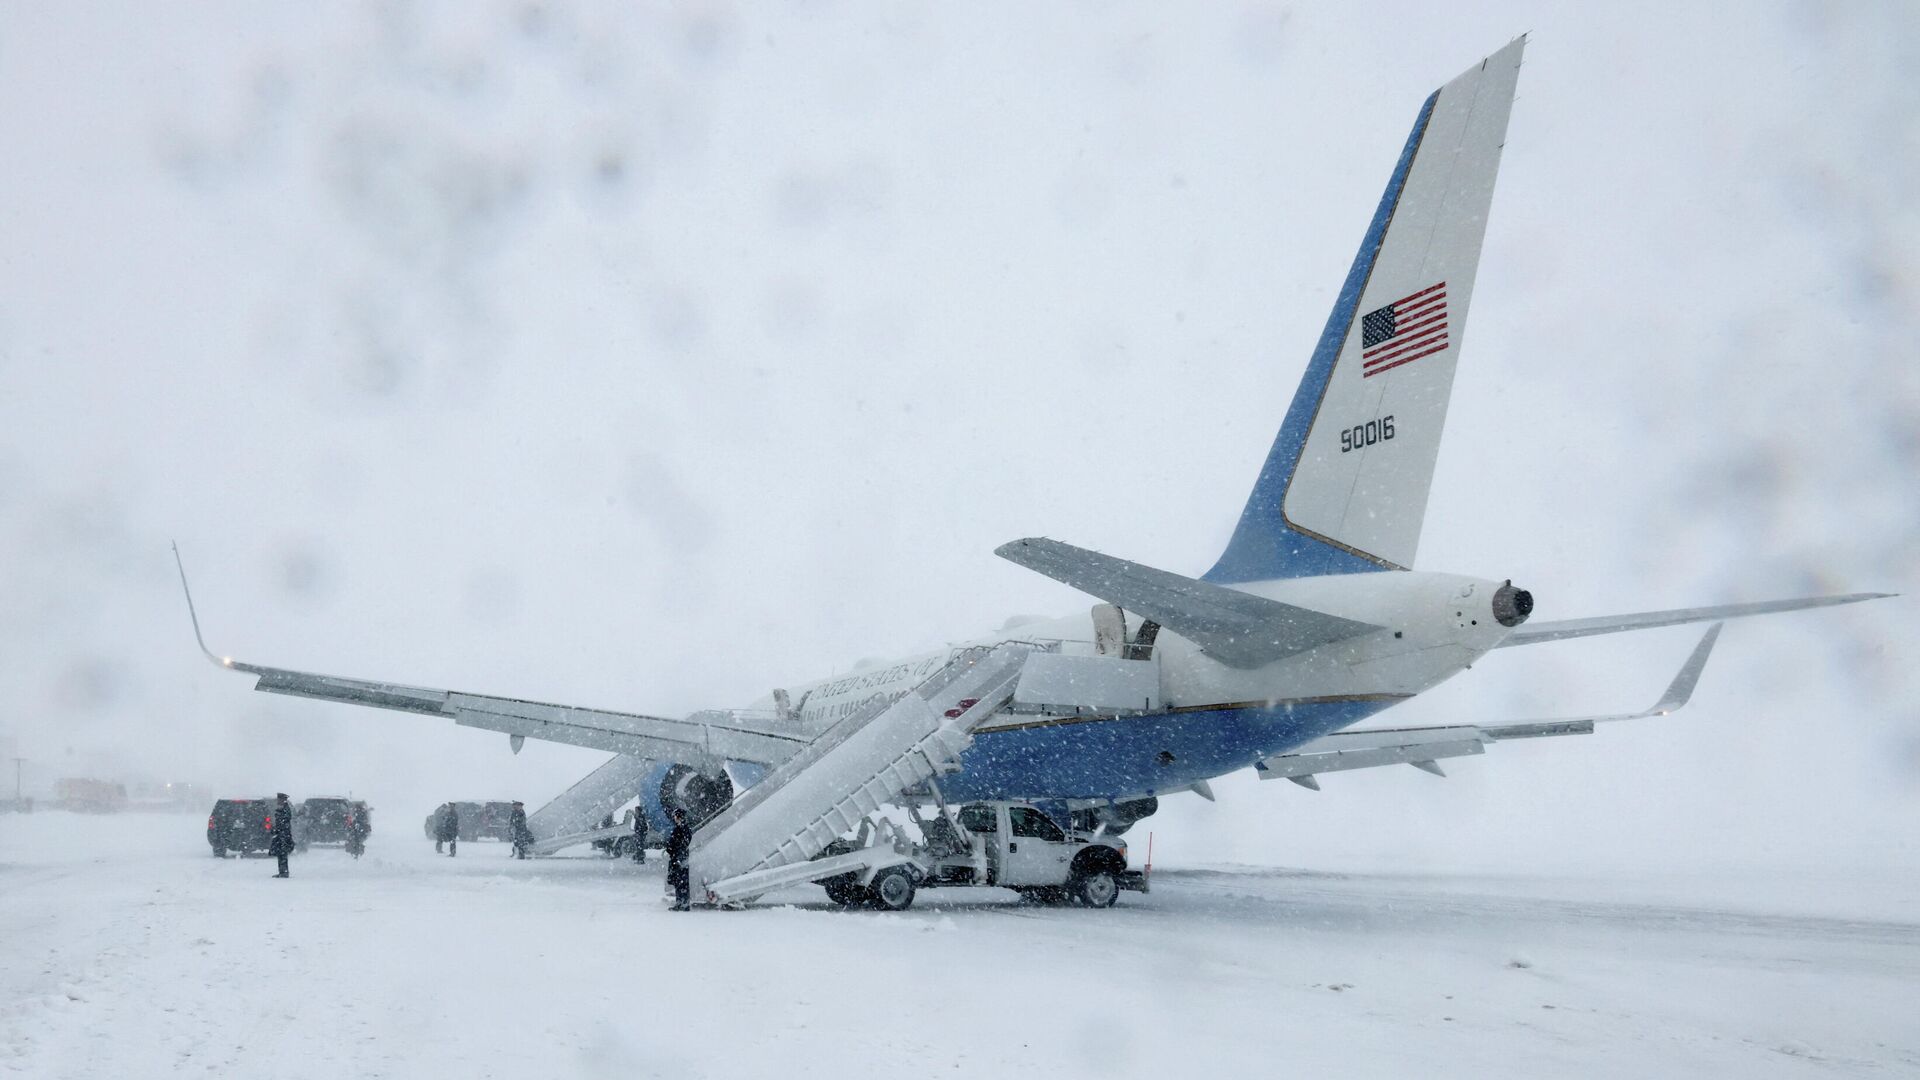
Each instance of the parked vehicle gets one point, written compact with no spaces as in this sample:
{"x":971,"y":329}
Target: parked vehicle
{"x":240,"y":826}
{"x":327,"y":821}
{"x":1010,"y":845}
{"x":478,"y":820}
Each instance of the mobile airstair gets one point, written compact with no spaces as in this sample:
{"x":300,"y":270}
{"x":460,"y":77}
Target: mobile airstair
{"x":769,"y":837}
{"x":553,"y":844}
{"x":575,"y":814}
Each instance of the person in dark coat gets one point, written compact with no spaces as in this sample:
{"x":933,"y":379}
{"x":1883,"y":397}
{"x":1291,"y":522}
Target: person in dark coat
{"x":679,"y":841}
{"x":447,"y":830}
{"x":280,"y":845}
{"x":640,"y":834}
{"x":517,"y":828}
{"x":358,"y":829}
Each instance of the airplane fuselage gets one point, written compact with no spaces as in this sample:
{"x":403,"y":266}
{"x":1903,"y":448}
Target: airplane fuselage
{"x":1211,"y":718}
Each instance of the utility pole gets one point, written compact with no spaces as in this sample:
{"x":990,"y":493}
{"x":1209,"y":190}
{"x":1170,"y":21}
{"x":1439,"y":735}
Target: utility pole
{"x":17,"y":802}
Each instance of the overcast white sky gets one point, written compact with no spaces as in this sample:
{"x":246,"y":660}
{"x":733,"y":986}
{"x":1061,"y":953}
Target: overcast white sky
{"x":651,"y":359}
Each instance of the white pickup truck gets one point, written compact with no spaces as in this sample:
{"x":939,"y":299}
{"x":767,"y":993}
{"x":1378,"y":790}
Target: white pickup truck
{"x":1006,"y":845}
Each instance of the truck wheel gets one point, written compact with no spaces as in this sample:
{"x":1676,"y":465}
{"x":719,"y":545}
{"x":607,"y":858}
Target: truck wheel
{"x":844,"y":892}
{"x":1097,"y":888}
{"x":219,"y":853}
{"x":892,"y":889}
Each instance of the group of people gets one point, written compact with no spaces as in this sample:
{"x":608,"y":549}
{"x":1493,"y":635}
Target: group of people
{"x":280,"y":843}
{"x":679,"y":842}
{"x":446,"y":830}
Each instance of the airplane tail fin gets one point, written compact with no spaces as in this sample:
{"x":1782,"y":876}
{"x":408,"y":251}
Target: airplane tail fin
{"x":1344,"y":489}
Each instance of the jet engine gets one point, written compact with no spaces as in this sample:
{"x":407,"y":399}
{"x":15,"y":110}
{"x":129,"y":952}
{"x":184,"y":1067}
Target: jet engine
{"x":694,"y":793}
{"x":1118,"y":817}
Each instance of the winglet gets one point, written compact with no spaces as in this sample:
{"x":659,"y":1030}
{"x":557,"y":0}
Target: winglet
{"x":1681,"y":688}
{"x":223,"y":661}
{"x":1678,"y":693}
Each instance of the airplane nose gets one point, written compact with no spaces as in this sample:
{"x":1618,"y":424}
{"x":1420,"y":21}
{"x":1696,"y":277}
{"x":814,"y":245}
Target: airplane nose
{"x":1511,"y":606}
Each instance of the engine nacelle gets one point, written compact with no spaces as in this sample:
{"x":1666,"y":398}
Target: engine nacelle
{"x":694,"y":793}
{"x":1116,"y":817}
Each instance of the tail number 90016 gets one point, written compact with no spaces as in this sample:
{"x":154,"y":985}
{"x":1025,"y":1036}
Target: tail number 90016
{"x":1363,"y":435}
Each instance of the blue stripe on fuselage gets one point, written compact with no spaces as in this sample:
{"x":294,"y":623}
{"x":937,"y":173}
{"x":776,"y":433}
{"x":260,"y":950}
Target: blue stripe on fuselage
{"x":1264,"y":546}
{"x":1124,"y":756}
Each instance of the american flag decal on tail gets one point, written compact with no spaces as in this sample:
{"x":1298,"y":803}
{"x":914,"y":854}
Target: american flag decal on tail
{"x":1404,"y":331}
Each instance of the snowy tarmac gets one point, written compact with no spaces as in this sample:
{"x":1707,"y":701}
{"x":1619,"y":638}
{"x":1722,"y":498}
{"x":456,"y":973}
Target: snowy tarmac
{"x":129,"y":951}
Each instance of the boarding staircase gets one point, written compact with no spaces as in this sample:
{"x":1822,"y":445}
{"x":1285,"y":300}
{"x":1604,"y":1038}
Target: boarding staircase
{"x":769,"y":837}
{"x":579,"y":810}
{"x":552,"y":844}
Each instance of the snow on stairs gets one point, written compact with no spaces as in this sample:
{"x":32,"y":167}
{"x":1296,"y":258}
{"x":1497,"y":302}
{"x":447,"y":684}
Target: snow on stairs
{"x":769,"y":836}
{"x":586,"y":836}
{"x":580,"y":808}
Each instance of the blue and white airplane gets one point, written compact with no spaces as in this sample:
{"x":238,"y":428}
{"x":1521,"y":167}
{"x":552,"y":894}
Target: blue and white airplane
{"x":1311,"y":620}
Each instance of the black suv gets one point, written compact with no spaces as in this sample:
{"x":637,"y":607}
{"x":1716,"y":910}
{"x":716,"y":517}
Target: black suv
{"x":478,"y":820}
{"x":240,"y":826}
{"x":325,"y":821}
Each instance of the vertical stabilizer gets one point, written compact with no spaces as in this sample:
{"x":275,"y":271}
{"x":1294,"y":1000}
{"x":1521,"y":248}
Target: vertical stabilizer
{"x":1344,"y":489}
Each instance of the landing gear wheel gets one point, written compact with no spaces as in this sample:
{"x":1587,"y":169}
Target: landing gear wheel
{"x":844,"y":892}
{"x":1097,"y":889}
{"x":892,"y":889}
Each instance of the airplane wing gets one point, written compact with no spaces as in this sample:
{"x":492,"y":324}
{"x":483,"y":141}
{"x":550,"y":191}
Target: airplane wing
{"x":704,"y":739}
{"x":1535,"y":632}
{"x":1422,"y":747}
{"x":1238,"y":629}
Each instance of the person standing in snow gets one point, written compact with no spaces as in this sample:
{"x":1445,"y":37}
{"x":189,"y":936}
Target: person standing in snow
{"x":447,"y":830}
{"x":280,"y":844}
{"x":358,"y":829}
{"x":640,"y":834}
{"x":517,"y":828}
{"x":679,"y":840}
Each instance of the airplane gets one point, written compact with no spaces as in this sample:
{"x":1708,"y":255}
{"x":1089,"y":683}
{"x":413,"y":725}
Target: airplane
{"x":1311,"y":620}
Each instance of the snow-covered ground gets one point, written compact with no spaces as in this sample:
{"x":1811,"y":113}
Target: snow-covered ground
{"x":129,"y":952}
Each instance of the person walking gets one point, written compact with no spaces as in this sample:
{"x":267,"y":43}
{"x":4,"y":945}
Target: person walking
{"x":447,"y":830}
{"x":679,"y":841}
{"x":640,"y":834}
{"x":280,"y":843}
{"x":517,"y":829}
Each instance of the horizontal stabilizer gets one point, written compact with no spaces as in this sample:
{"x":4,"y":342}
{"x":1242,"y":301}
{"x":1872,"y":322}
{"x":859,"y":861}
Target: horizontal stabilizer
{"x":1238,"y":629}
{"x":1534,"y":633}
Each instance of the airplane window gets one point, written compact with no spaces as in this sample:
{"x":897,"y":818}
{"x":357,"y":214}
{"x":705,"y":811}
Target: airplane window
{"x":1030,"y":822}
{"x":979,"y":819}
